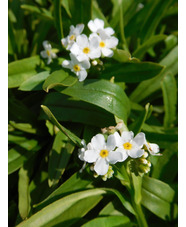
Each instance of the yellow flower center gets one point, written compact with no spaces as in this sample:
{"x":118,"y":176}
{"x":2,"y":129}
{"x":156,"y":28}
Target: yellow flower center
{"x":76,"y":68}
{"x":102,"y":44}
{"x":86,"y":50}
{"x":48,"y":52}
{"x":72,"y":37}
{"x":127,"y":146}
{"x":104,"y":153}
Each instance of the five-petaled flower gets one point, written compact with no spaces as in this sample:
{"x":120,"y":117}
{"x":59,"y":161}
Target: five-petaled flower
{"x":47,"y":52}
{"x":76,"y":66}
{"x":129,"y":145}
{"x":102,"y":153}
{"x":71,"y":38}
{"x":84,"y":48}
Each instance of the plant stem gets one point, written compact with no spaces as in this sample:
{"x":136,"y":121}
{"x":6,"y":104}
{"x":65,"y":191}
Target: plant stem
{"x":139,"y":215}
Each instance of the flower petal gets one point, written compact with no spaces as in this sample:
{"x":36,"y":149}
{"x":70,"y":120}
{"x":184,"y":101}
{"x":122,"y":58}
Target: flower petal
{"x":79,"y":28}
{"x":98,"y":142}
{"x":111,"y":143}
{"x":118,"y":139}
{"x":123,"y":152}
{"x":135,"y":153}
{"x":75,"y":49}
{"x":112,"y":42}
{"x":47,"y":45}
{"x":107,"y":52}
{"x":67,"y":64}
{"x":153,"y":149}
{"x":139,"y":139}
{"x":92,"y":26}
{"x":101,"y":166}
{"x":85,"y":64}
{"x":91,"y":156}
{"x":94,"y":42}
{"x":95,"y":53}
{"x":49,"y":60}
{"x":127,"y":136}
{"x":115,"y":156}
{"x":64,"y":42}
{"x":82,"y":75}
{"x":99,"y":23}
{"x":82,"y":41}
{"x":44,"y":54}
{"x":109,"y":31}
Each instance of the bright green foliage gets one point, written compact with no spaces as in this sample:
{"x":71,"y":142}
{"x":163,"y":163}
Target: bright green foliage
{"x":50,"y":112}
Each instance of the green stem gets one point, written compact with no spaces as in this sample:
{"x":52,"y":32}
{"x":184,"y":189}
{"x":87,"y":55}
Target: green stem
{"x":140,"y":215}
{"x":125,"y":47}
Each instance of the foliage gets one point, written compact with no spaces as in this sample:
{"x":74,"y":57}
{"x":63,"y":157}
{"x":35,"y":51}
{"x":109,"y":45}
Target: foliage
{"x":50,"y":110}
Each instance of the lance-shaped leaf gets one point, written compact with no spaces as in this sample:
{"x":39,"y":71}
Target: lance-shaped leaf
{"x":69,"y":134}
{"x":21,"y":70}
{"x":102,"y":93}
{"x":169,"y":88}
{"x":59,"y":78}
{"x":157,"y":197}
{"x":131,"y":72}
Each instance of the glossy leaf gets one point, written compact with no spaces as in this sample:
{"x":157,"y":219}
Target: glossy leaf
{"x":21,"y":70}
{"x":108,"y":221}
{"x":59,"y":78}
{"x":131,"y":72}
{"x":169,"y":89}
{"x":141,"y":50}
{"x":60,"y":155}
{"x":146,"y":88}
{"x":35,"y":82}
{"x":69,"y":134}
{"x":66,"y":108}
{"x":101,"y":93}
{"x":24,"y":195}
{"x":157,"y":196}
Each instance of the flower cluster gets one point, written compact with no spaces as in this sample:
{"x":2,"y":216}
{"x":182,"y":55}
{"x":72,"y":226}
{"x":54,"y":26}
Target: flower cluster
{"x":83,"y":49}
{"x":117,"y":148}
{"x":48,"y":52}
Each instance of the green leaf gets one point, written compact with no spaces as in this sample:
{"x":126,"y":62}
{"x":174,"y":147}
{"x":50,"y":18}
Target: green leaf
{"x":157,"y":197}
{"x":58,"y":18}
{"x":169,"y":88}
{"x":108,"y":221}
{"x":141,"y":50}
{"x":21,"y":70}
{"x":69,"y":134}
{"x":131,"y":72}
{"x":65,"y":4}
{"x":23,"y":192}
{"x":101,"y":93}
{"x":35,"y":82}
{"x":97,"y":13}
{"x":153,"y":16}
{"x":53,"y":213}
{"x":59,"y":78}
{"x":60,"y":155}
{"x":42,"y":12}
{"x":25,"y":127}
{"x":74,"y":183}
{"x":66,"y":108}
{"x":84,"y":9}
{"x":138,"y":123}
{"x":21,"y":153}
{"x":146,"y":88}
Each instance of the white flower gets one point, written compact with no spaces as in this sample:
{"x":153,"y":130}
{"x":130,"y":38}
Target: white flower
{"x":105,"y":44}
{"x":101,"y":153}
{"x":71,"y":38}
{"x":152,"y":148}
{"x":97,"y":25}
{"x":130,"y":145}
{"x":79,"y":68}
{"x":85,"y":49}
{"x":48,"y":53}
